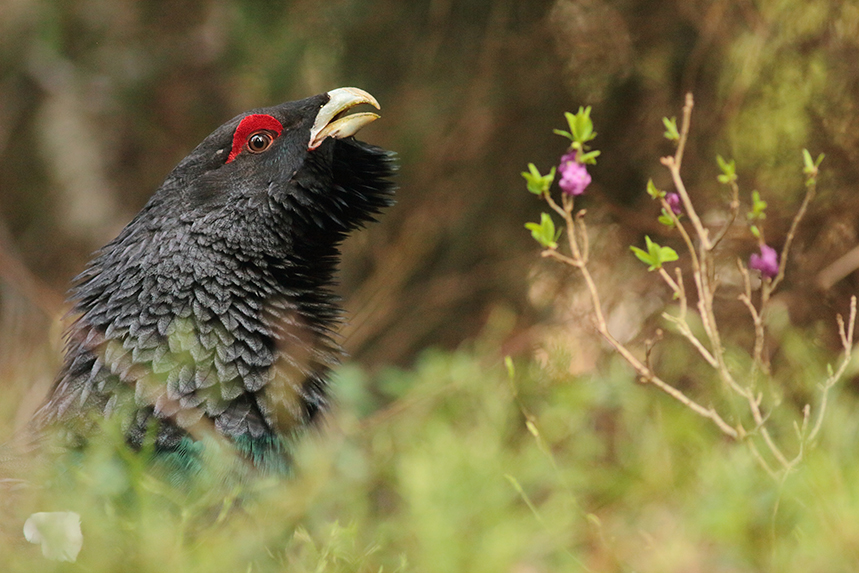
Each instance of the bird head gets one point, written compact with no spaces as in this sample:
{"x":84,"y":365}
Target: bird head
{"x":271,"y":173}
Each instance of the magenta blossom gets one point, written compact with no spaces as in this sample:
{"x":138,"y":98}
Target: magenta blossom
{"x":767,"y":262}
{"x":673,"y":200}
{"x":574,"y":175}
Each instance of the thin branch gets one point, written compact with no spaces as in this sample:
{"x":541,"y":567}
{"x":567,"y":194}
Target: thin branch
{"x":696,"y":266}
{"x":757,"y":455}
{"x":650,"y":377}
{"x":847,"y":343}
{"x":673,"y":164}
{"x":669,"y":281}
{"x":553,"y":254}
{"x":684,"y":128}
{"x":684,"y":329}
{"x":555,"y":207}
{"x":646,"y":373}
{"x":760,"y":421}
{"x":785,"y":251}
{"x":674,"y":168}
{"x":583,"y":232}
{"x":701,"y":261}
{"x":734,"y":211}
{"x":757,"y":320}
{"x":679,"y":274}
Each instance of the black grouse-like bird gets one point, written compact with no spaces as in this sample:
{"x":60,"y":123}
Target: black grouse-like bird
{"x":210,"y":317}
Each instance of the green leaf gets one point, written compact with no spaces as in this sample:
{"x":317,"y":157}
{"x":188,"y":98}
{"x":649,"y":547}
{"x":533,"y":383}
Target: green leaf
{"x":729,"y":170}
{"x":581,"y":127}
{"x":643,"y":256}
{"x":653,"y":191}
{"x":666,"y":219}
{"x":755,"y":231}
{"x":810,"y":166}
{"x":671,"y":132}
{"x":538,"y":184}
{"x":667,"y":255}
{"x":759,"y":207}
{"x":589,"y":158}
{"x":655,"y":254}
{"x":806,"y":159}
{"x":544,"y":231}
{"x":563,"y":133}
{"x":581,"y":131}
{"x":584,"y":127}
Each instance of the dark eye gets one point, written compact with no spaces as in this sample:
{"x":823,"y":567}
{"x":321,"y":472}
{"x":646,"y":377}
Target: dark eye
{"x":259,"y":141}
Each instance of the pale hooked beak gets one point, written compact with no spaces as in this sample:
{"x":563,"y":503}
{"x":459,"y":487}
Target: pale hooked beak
{"x":330,"y":121}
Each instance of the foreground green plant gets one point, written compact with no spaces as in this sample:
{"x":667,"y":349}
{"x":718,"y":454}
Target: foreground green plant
{"x":745,"y":381}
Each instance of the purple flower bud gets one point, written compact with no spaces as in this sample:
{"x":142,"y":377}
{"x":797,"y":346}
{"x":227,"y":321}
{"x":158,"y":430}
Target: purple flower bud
{"x":673,"y":200}
{"x":574,"y":175}
{"x":767,"y":262}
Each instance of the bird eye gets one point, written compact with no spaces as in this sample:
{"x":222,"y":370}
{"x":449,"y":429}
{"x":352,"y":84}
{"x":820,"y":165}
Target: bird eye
{"x":259,"y":141}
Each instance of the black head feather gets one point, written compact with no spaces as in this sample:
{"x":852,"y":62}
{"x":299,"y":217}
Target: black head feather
{"x":211,"y":313}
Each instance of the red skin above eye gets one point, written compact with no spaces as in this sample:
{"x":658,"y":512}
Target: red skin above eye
{"x":249,"y":125}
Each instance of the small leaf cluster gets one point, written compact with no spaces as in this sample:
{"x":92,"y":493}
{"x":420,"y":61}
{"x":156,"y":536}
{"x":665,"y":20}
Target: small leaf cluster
{"x":671,"y":131}
{"x":759,"y":208}
{"x":544,"y":232}
{"x":580,"y":133}
{"x":665,"y":217}
{"x":729,"y":171}
{"x":653,"y":191}
{"x":810,"y":167}
{"x":758,"y":213}
{"x":538,"y":184}
{"x":655,"y":255}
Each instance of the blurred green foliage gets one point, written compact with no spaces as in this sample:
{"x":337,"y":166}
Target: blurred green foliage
{"x":457,"y":467}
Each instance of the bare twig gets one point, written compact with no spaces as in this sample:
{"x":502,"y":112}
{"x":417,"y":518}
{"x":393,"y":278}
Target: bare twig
{"x":760,"y":459}
{"x":583,"y":232}
{"x":757,"y":320}
{"x":673,"y":164}
{"x":734,"y":210}
{"x":650,"y":377}
{"x":847,"y":345}
{"x":683,"y":328}
{"x":684,"y":129}
{"x":553,"y":254}
{"x":667,"y":278}
{"x":785,"y":251}
{"x":647,"y":375}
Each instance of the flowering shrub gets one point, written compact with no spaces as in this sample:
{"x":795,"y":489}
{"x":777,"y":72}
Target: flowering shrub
{"x":751,"y":423}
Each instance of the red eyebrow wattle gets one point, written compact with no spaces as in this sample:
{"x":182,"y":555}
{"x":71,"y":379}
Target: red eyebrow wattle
{"x":247,"y":126}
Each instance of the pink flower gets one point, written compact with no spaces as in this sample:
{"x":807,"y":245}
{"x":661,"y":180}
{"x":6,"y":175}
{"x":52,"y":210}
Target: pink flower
{"x":574,"y":175}
{"x":767,"y":262}
{"x":673,"y":200}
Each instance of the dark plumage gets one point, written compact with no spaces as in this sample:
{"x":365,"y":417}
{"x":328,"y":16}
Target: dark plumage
{"x":211,"y":315}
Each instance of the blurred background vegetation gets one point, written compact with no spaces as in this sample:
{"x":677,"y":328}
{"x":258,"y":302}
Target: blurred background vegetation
{"x":428,"y":463}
